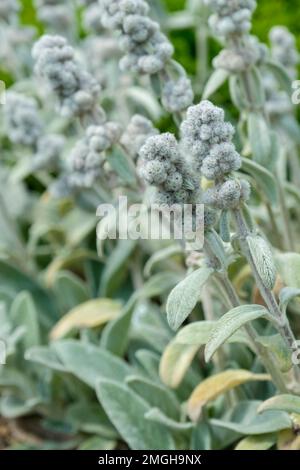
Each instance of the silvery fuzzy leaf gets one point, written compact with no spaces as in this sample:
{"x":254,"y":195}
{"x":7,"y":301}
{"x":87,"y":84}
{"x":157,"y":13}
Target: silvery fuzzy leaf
{"x":216,"y":80}
{"x":156,"y":415}
{"x":264,"y":179}
{"x":260,"y":138}
{"x":263,"y":260}
{"x":280,"y":74}
{"x":126,"y":411}
{"x":286,"y":295}
{"x":276,"y":345}
{"x":285,"y":402}
{"x":289,"y":268}
{"x":229,"y":323}
{"x":184,"y":297}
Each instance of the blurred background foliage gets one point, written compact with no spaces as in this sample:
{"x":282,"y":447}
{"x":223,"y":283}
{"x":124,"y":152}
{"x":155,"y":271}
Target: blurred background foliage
{"x":268,"y":14}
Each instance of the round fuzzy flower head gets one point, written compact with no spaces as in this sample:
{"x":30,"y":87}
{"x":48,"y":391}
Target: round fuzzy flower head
{"x":228,"y":195}
{"x":136,"y":134}
{"x":145,"y":47}
{"x":22,"y":119}
{"x":76,"y":89}
{"x":162,"y":165}
{"x":231,"y":17}
{"x":49,"y":149}
{"x":283,"y":49}
{"x":177,"y":95}
{"x":87,"y":158}
{"x":204,"y":135}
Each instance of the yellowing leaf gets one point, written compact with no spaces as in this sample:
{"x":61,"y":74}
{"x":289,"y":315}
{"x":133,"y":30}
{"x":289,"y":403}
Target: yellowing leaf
{"x":175,"y":362}
{"x":259,"y":442}
{"x":87,"y":315}
{"x":288,"y":440}
{"x":216,"y":385}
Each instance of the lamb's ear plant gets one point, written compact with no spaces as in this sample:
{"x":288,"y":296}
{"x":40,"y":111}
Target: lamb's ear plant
{"x":143,"y":343}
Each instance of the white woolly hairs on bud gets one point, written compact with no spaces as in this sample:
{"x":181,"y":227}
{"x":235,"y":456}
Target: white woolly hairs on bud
{"x":136,"y":134}
{"x":284,"y":50}
{"x":208,"y":138}
{"x":231,"y":17}
{"x":146,"y":49}
{"x":162,"y":165}
{"x":76,"y":89}
{"x":23,"y":123}
{"x":49,"y":151}
{"x":177,"y":95}
{"x":228,"y":195}
{"x":88,"y":156}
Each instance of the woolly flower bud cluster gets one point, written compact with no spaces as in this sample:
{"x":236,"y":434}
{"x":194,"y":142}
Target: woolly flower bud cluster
{"x":22,"y":119}
{"x":76,"y":89}
{"x":284,"y":51}
{"x":87,"y":158}
{"x":136,"y":134}
{"x":209,"y":140}
{"x":177,"y":95}
{"x":146,"y":48}
{"x":162,"y":165}
{"x":8,"y":8}
{"x":239,"y":60}
{"x":278,"y":102}
{"x":49,"y":150}
{"x":227,"y":195}
{"x":231,"y":17}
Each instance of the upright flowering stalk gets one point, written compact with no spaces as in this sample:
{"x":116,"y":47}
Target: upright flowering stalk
{"x":284,"y":50}
{"x":163,"y":166}
{"x":229,"y":194}
{"x":25,"y":127}
{"x":136,"y":134}
{"x":239,"y":61}
{"x":147,"y":50}
{"x":23,"y":123}
{"x":77,"y":91}
{"x":88,"y":156}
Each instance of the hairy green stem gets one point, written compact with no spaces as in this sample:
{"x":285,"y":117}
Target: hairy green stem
{"x":283,"y":324}
{"x":234,"y":301}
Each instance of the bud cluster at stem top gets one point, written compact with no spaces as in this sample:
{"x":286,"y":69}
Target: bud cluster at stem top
{"x":163,"y":166}
{"x":76,"y":89}
{"x":136,"y":134}
{"x":146,"y":49}
{"x":231,"y":17}
{"x":87,"y":157}
{"x":209,"y":140}
{"x":284,"y":50}
{"x":23,"y":123}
